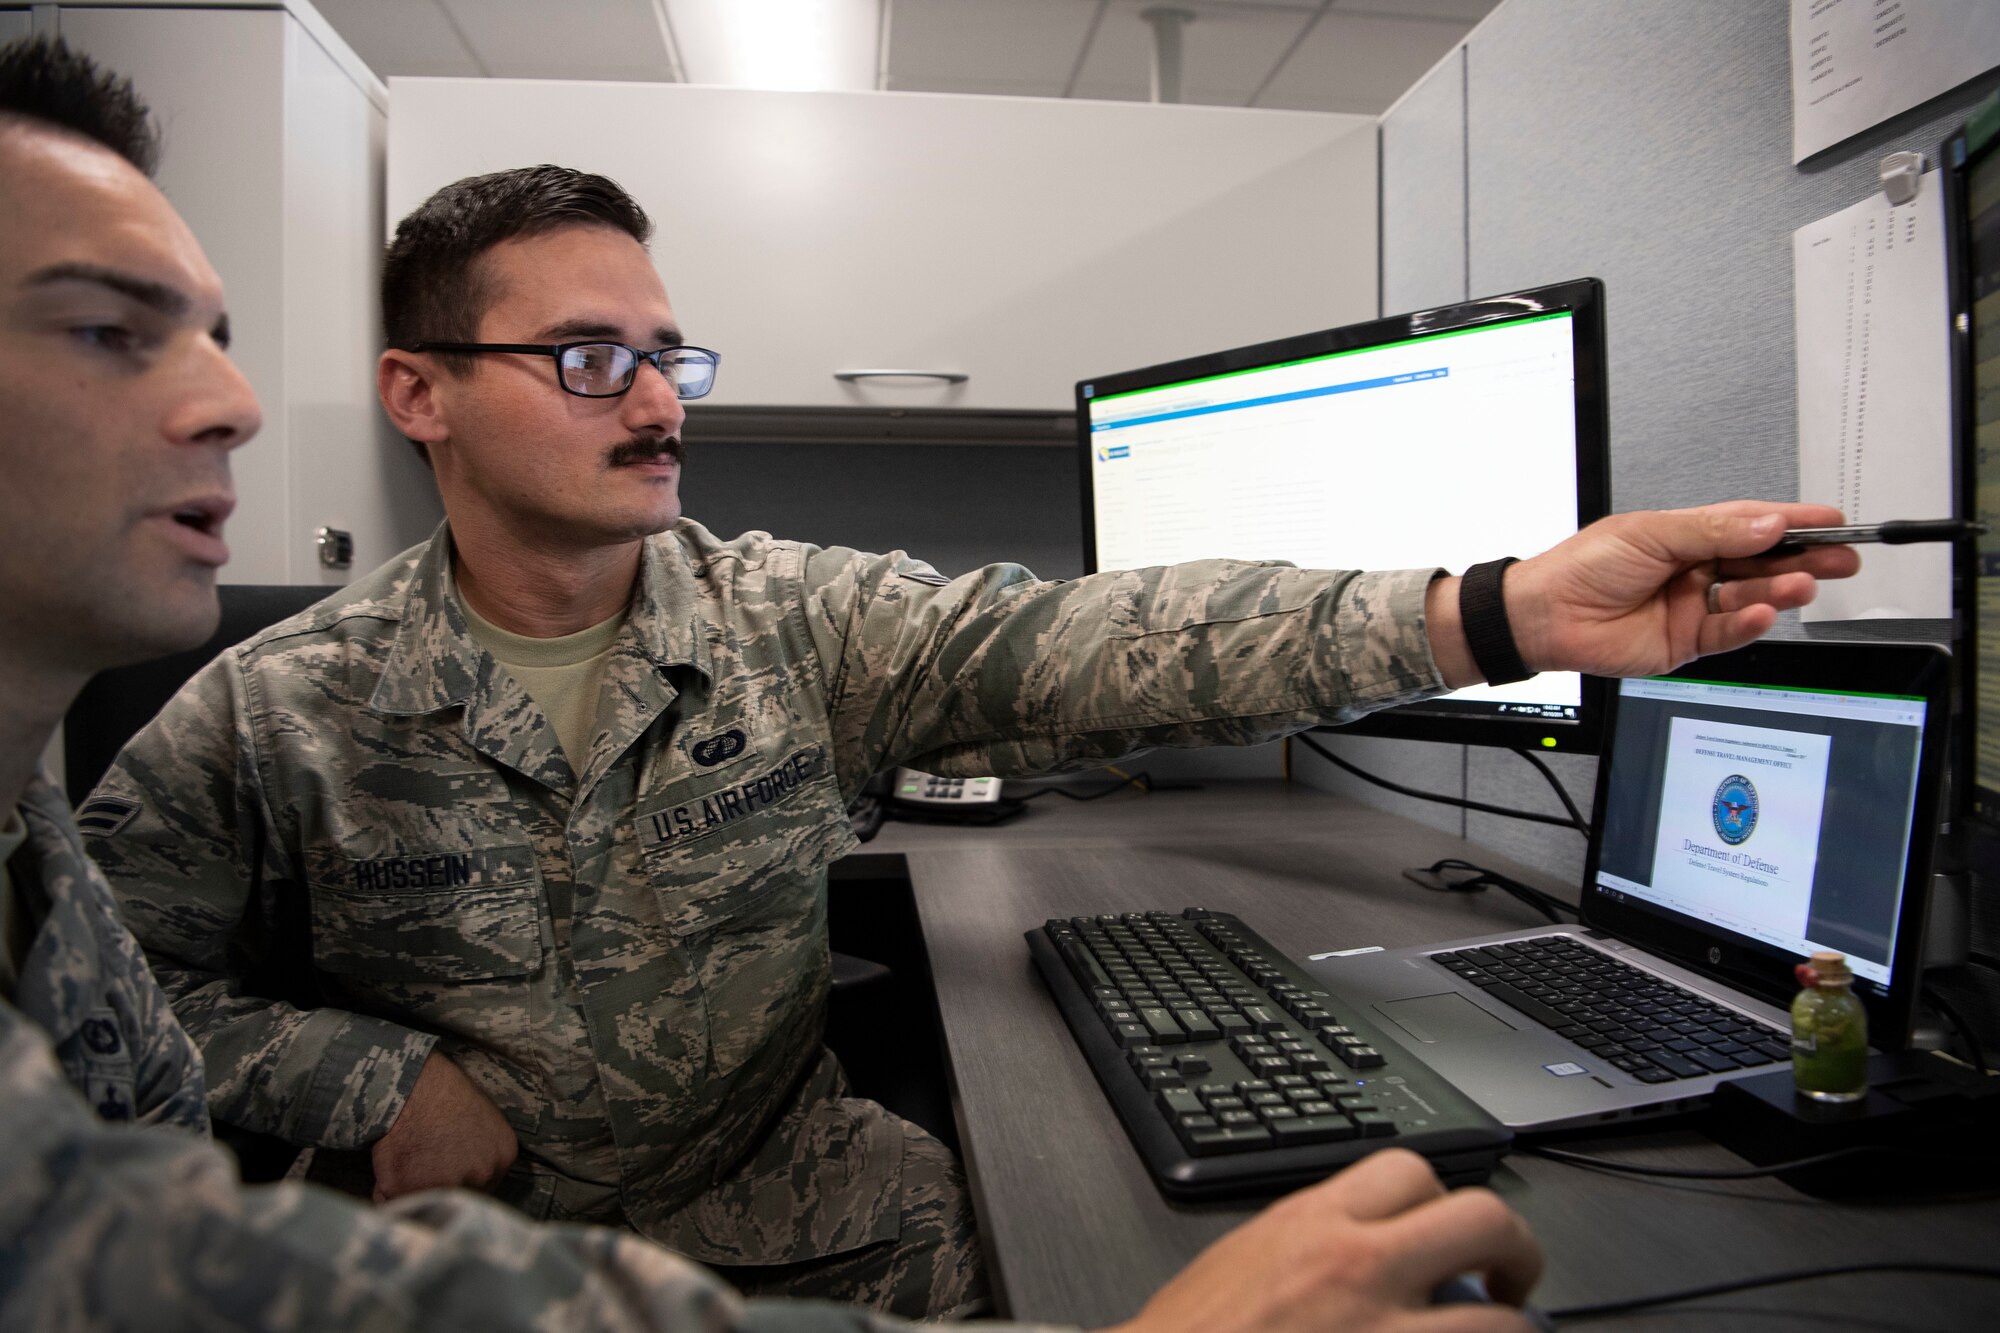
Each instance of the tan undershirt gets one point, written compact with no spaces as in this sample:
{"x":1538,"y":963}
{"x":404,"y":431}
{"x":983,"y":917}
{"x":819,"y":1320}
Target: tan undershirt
{"x":17,"y":923}
{"x":561,"y":675}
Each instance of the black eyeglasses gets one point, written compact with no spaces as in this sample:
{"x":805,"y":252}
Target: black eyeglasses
{"x":606,"y":370}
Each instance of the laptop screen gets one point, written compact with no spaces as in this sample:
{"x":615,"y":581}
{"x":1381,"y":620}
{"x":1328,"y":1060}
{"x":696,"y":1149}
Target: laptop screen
{"x":1773,"y":816}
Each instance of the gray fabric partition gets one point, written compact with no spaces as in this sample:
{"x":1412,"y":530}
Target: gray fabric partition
{"x":1646,"y":143}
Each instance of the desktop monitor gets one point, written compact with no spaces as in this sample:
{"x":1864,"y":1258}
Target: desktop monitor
{"x":1445,"y":437}
{"x":1972,"y":245}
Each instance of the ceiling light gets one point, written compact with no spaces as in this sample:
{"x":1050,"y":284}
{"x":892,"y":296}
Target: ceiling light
{"x":789,"y":45}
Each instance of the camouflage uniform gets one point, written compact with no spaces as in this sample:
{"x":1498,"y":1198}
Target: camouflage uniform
{"x":108,"y":1225}
{"x":84,"y":983}
{"x":631,"y":961}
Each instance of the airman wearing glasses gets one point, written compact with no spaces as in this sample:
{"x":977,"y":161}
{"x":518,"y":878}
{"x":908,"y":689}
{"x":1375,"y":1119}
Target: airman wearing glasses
{"x":556,"y":791}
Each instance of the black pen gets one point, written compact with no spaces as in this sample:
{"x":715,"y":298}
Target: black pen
{"x":1896,"y":532}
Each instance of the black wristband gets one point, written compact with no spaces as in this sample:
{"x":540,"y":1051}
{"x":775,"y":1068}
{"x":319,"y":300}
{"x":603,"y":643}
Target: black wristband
{"x":1482,"y":613}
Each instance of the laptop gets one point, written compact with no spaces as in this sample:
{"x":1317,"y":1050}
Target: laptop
{"x":1751,"y":808}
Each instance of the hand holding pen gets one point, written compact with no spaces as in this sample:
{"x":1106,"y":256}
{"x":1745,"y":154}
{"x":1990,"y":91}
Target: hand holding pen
{"x":1896,"y":532}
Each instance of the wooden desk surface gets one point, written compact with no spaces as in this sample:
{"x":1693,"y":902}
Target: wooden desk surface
{"x":1075,"y":1230}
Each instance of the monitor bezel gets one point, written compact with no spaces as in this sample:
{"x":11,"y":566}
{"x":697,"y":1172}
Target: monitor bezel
{"x":1583,"y":298}
{"x":1977,"y":809}
{"x":1923,"y":670}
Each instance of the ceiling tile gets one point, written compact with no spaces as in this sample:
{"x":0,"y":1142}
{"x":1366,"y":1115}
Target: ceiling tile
{"x":1021,"y":46}
{"x":1361,"y":63}
{"x":1225,"y":51}
{"x":577,"y":39}
{"x":1359,"y":57}
{"x":411,"y":37}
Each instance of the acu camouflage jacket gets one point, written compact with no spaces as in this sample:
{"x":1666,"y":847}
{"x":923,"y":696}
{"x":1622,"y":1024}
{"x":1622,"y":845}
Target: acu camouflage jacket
{"x":631,"y":961}
{"x":117,"y":1214}
{"x":86,"y":986}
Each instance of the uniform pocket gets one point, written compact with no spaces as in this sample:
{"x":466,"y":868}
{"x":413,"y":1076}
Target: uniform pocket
{"x":736,"y":867}
{"x":472,"y":914}
{"x":714,"y":851}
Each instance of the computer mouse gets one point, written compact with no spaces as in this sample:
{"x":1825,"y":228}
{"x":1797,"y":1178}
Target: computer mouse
{"x":1467,"y":1288}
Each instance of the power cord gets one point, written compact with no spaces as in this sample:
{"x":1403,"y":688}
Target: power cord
{"x":1482,"y":878}
{"x":1585,"y":1160}
{"x":1576,"y":819}
{"x":1607,"y":1308}
{"x":1438,"y":797}
{"x":1143,"y":781}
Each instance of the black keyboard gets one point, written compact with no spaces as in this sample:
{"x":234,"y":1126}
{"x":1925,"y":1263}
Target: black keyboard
{"x":1234,"y":1072}
{"x":1631,"y":1019}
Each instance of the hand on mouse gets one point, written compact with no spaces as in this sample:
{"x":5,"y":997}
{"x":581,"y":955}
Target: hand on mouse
{"x":1364,"y":1250}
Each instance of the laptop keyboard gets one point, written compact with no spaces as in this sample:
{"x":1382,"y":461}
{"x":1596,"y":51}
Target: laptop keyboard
{"x":1629,"y":1018}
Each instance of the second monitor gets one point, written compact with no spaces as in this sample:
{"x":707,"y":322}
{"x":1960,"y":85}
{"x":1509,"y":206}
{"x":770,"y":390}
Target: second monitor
{"x":1448,"y":436}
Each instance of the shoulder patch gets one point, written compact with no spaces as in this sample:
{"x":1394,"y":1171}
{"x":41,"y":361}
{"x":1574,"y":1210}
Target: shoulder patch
{"x":102,"y":816}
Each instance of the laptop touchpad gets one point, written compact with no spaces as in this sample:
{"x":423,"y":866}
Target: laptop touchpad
{"x":1446,"y":1017}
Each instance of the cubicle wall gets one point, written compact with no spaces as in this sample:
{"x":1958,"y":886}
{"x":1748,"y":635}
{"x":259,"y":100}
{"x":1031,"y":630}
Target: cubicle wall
{"x":1648,"y":144}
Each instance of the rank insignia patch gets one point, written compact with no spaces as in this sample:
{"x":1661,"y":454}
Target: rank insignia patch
{"x":102,"y":816}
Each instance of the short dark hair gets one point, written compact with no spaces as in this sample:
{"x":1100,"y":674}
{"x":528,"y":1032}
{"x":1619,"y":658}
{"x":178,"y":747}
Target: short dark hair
{"x":432,"y":289}
{"x":42,"y":79}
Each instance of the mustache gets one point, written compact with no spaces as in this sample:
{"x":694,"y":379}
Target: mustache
{"x":648,"y":449}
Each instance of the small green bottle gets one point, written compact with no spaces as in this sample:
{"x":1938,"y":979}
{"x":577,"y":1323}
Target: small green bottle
{"x":1829,"y":1032}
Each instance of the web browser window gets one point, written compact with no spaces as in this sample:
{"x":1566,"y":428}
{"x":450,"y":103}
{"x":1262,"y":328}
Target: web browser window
{"x":1444,"y":449}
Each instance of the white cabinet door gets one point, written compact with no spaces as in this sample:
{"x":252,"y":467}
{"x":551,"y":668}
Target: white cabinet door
{"x":273,"y":153}
{"x":215,"y":81}
{"x":1022,"y":244}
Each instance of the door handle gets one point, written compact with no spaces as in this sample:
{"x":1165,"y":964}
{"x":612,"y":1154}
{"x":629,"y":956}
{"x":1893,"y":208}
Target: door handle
{"x":947,"y":376}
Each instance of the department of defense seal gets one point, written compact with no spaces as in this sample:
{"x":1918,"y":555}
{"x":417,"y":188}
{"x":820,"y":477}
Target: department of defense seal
{"x":1735,"y":809}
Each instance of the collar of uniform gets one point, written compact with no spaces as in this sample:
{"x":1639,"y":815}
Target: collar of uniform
{"x":435,"y":662}
{"x":67,"y":894}
{"x":666,"y":619}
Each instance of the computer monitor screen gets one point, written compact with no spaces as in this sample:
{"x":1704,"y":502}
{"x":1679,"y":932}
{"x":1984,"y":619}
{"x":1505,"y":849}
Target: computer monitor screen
{"x":1446,"y":437}
{"x":1972,"y":212}
{"x":1759,"y":805}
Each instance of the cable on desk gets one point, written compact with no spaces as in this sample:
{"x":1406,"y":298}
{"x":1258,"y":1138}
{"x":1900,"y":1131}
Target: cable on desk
{"x":1438,"y":797}
{"x":1545,"y":903}
{"x":1143,"y":781}
{"x":1964,"y":1029}
{"x":1576,"y":819}
{"x":1569,"y":1158}
{"x":1607,"y":1308}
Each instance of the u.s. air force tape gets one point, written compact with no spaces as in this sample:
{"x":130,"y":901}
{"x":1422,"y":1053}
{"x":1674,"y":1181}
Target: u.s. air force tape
{"x":711,"y":811}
